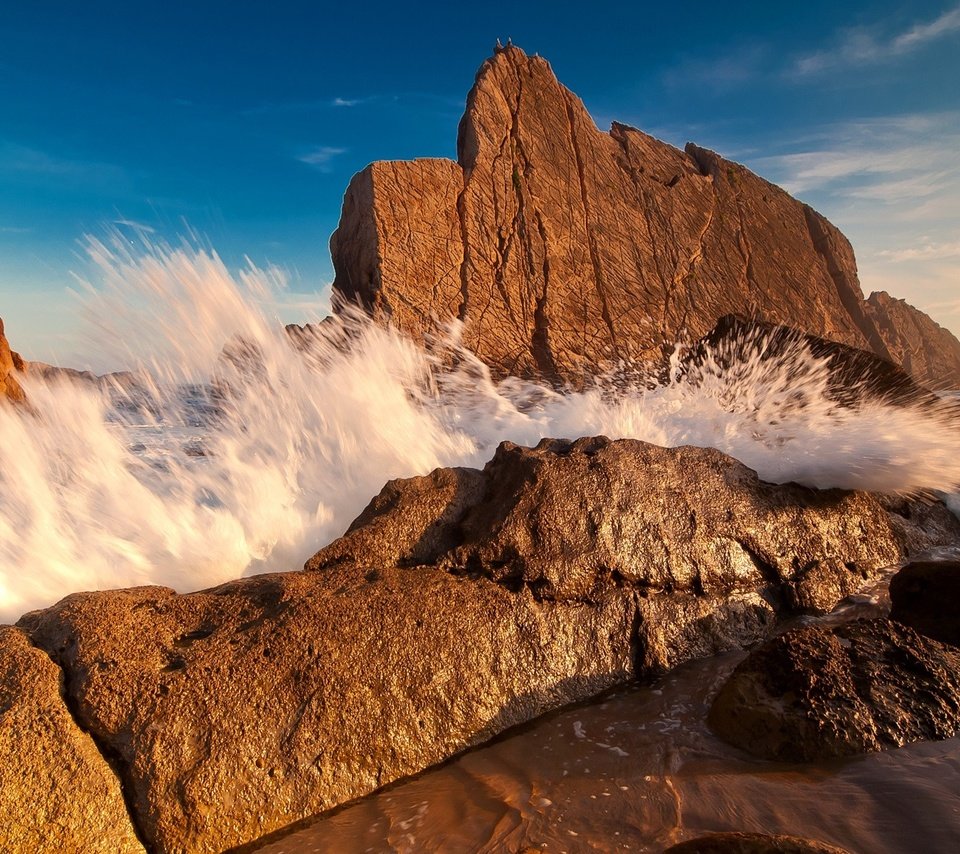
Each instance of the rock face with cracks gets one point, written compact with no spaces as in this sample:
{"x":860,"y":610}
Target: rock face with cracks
{"x":58,"y":792}
{"x":565,"y":249}
{"x":459,"y":604}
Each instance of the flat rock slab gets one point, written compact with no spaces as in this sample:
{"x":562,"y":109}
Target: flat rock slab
{"x":244,"y":709}
{"x":58,"y":792}
{"x":815,"y":693}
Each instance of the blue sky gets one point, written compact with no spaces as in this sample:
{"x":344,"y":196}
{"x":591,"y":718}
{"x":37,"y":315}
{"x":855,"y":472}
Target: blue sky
{"x":243,"y":122}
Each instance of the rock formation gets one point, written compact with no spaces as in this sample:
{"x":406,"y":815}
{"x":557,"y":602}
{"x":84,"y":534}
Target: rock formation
{"x":457,"y":605}
{"x":817,"y":693}
{"x":10,"y":365}
{"x":565,"y":249}
{"x":923,"y":347}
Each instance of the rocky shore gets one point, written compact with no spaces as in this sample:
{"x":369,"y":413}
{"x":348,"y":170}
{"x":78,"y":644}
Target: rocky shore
{"x":457,"y":605}
{"x":465,"y":601}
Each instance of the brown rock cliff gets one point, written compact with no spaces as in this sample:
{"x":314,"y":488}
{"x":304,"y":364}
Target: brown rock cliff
{"x":914,"y":340}
{"x":565,"y":249}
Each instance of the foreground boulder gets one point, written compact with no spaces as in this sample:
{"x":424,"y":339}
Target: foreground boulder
{"x":570,"y":519}
{"x":238,"y":711}
{"x":817,"y":693}
{"x":58,"y":793}
{"x":10,"y":365}
{"x":459,"y":604}
{"x":566,"y":250}
{"x":925,"y":595}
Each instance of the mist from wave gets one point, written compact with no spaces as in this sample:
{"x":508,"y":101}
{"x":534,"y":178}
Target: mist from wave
{"x":240,"y":450}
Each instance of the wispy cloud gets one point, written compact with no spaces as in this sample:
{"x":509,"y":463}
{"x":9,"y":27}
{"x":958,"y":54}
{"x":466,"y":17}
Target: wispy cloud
{"x":136,"y":226}
{"x":891,"y":159}
{"x":866,"y":45}
{"x":892,"y":185}
{"x":15,"y":229}
{"x":430,"y":100}
{"x":309,"y":106}
{"x":322,"y":158}
{"x":719,"y":73}
{"x":925,"y":250}
{"x":37,"y":166}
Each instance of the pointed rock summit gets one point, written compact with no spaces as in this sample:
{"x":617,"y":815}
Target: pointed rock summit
{"x":564,"y":249}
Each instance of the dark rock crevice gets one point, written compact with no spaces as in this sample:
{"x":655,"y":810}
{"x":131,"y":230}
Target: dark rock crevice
{"x":850,"y":294}
{"x":111,"y":757}
{"x":589,"y":229}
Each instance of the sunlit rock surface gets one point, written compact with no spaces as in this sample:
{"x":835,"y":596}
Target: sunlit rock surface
{"x":10,"y":365}
{"x":565,"y":249}
{"x":58,"y":792}
{"x":923,"y":347}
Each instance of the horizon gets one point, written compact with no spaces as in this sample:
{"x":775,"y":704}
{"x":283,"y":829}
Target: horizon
{"x":164,"y":121}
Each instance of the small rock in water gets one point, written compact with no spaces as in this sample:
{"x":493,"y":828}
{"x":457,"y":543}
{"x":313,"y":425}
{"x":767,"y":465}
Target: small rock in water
{"x":814,"y":693}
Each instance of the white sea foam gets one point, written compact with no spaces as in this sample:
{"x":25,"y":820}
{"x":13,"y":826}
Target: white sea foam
{"x":102,"y":488}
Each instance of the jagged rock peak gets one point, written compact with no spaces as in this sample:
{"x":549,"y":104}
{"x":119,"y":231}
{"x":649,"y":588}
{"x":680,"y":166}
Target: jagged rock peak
{"x":565,"y":249}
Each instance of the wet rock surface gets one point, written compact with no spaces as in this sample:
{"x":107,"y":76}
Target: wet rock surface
{"x":458,"y":605}
{"x":924,"y":595}
{"x":565,"y":249}
{"x":815,"y":693}
{"x":58,"y":792}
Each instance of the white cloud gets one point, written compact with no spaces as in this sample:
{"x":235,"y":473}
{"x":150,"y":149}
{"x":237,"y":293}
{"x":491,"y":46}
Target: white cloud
{"x":892,"y":185}
{"x":925,"y":250}
{"x":891,"y":160}
{"x":864,"y":45}
{"x":322,"y":158}
{"x":720,"y":72}
{"x":136,"y":226}
{"x":920,"y":34}
{"x":345,"y":102}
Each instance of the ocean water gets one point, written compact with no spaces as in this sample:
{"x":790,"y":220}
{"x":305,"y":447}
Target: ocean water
{"x":213,"y":466}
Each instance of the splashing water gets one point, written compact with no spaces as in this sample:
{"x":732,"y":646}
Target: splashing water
{"x":175,"y":481}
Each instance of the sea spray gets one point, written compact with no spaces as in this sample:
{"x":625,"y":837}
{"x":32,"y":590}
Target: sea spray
{"x":246,"y":451}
